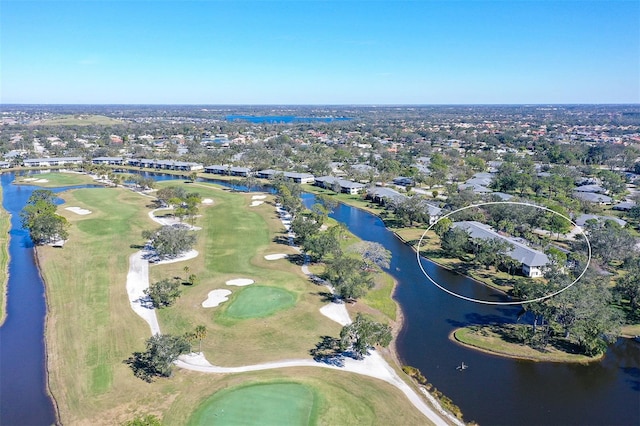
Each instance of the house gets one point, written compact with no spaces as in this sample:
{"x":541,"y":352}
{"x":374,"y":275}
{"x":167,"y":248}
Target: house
{"x":346,"y":186}
{"x":383,"y":195}
{"x":294,"y":176}
{"x":5,"y":164}
{"x":403,"y":181}
{"x":624,"y":206}
{"x":532,"y":261}
{"x":111,"y":161}
{"x":590,"y":188}
{"x":239,"y":171}
{"x":217,"y":169}
{"x":582,"y":219}
{"x":592,"y":197}
{"x":52,"y":162}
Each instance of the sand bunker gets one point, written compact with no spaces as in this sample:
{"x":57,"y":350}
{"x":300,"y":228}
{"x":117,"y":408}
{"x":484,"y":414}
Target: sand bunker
{"x":41,"y":181}
{"x":256,"y":203}
{"x":78,"y":210}
{"x":276,"y":256}
{"x":29,"y":179}
{"x":207,"y":201}
{"x":337,"y":312}
{"x":216,"y":297}
{"x":240,"y":282}
{"x":258,"y":197}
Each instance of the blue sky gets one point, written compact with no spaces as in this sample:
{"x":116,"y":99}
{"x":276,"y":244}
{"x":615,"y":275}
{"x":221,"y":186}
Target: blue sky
{"x":320,"y":52}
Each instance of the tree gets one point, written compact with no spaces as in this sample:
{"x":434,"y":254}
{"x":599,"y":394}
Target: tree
{"x":162,"y":350}
{"x":349,"y":277}
{"x":629,"y":287}
{"x":304,"y":227}
{"x":362,"y":334}
{"x":490,"y":252}
{"x":372,"y":254}
{"x":200,"y":333}
{"x":322,"y":244}
{"x":170,"y":241}
{"x":163,"y":293}
{"x":442,"y":226}
{"x":40,"y":219}
{"x":454,"y":242}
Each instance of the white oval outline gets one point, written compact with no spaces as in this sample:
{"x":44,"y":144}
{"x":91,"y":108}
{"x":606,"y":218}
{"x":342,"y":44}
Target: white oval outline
{"x":488,"y":302}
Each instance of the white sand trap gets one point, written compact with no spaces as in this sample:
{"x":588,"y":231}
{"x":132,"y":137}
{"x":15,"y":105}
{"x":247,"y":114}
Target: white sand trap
{"x":256,"y":203}
{"x":216,"y":297}
{"x":78,"y":210}
{"x":41,"y":180}
{"x":207,"y":201}
{"x":29,"y":179}
{"x":276,"y":256}
{"x":258,"y":197}
{"x":337,"y":312}
{"x":240,"y":282}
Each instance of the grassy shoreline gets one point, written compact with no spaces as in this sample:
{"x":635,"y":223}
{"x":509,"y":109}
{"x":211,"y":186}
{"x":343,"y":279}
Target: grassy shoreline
{"x":5,"y":227}
{"x":488,"y":340}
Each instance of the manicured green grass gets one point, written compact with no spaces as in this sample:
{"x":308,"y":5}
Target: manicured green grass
{"x":258,"y":302}
{"x":5,"y":226}
{"x":54,"y":179}
{"x":258,"y":404}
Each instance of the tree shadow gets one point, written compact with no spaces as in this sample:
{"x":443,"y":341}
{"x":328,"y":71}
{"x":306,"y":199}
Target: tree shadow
{"x":327,"y":296}
{"x":327,"y":351}
{"x":297,"y":259}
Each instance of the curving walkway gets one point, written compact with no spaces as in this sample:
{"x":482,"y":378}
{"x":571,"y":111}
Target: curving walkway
{"x":372,"y":365}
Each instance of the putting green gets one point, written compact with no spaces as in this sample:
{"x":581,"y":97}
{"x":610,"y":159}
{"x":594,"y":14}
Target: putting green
{"x":258,"y":404}
{"x":259,"y":301}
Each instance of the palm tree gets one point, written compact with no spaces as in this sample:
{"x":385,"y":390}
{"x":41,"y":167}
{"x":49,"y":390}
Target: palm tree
{"x":200,"y":333}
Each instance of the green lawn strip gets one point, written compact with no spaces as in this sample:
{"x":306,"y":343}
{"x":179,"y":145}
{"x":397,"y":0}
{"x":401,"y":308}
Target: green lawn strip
{"x":381,"y":297}
{"x":502,"y":340}
{"x":55,"y":179}
{"x":91,"y":328}
{"x":5,"y":227}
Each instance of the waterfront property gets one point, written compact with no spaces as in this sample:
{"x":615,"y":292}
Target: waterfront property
{"x":110,"y":161}
{"x":52,"y":161}
{"x":342,"y":185}
{"x":384,"y":196}
{"x":532,"y":261}
{"x":294,"y":176}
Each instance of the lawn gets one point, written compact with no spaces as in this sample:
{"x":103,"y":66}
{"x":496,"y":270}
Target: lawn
{"x":257,"y":302}
{"x":272,"y":404}
{"x":91,"y":328}
{"x":54,"y":179}
{"x":5,"y":226}
{"x":79,"y":120}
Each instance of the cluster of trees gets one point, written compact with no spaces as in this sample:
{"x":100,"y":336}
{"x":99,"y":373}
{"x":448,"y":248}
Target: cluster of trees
{"x":40,"y":219}
{"x":185,"y":203}
{"x":583,"y":314}
{"x":349,"y":273}
{"x":355,"y":339}
{"x":161,"y":351}
{"x":170,"y":241}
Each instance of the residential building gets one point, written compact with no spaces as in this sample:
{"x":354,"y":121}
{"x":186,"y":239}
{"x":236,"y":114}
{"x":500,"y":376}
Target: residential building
{"x":532,"y":261}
